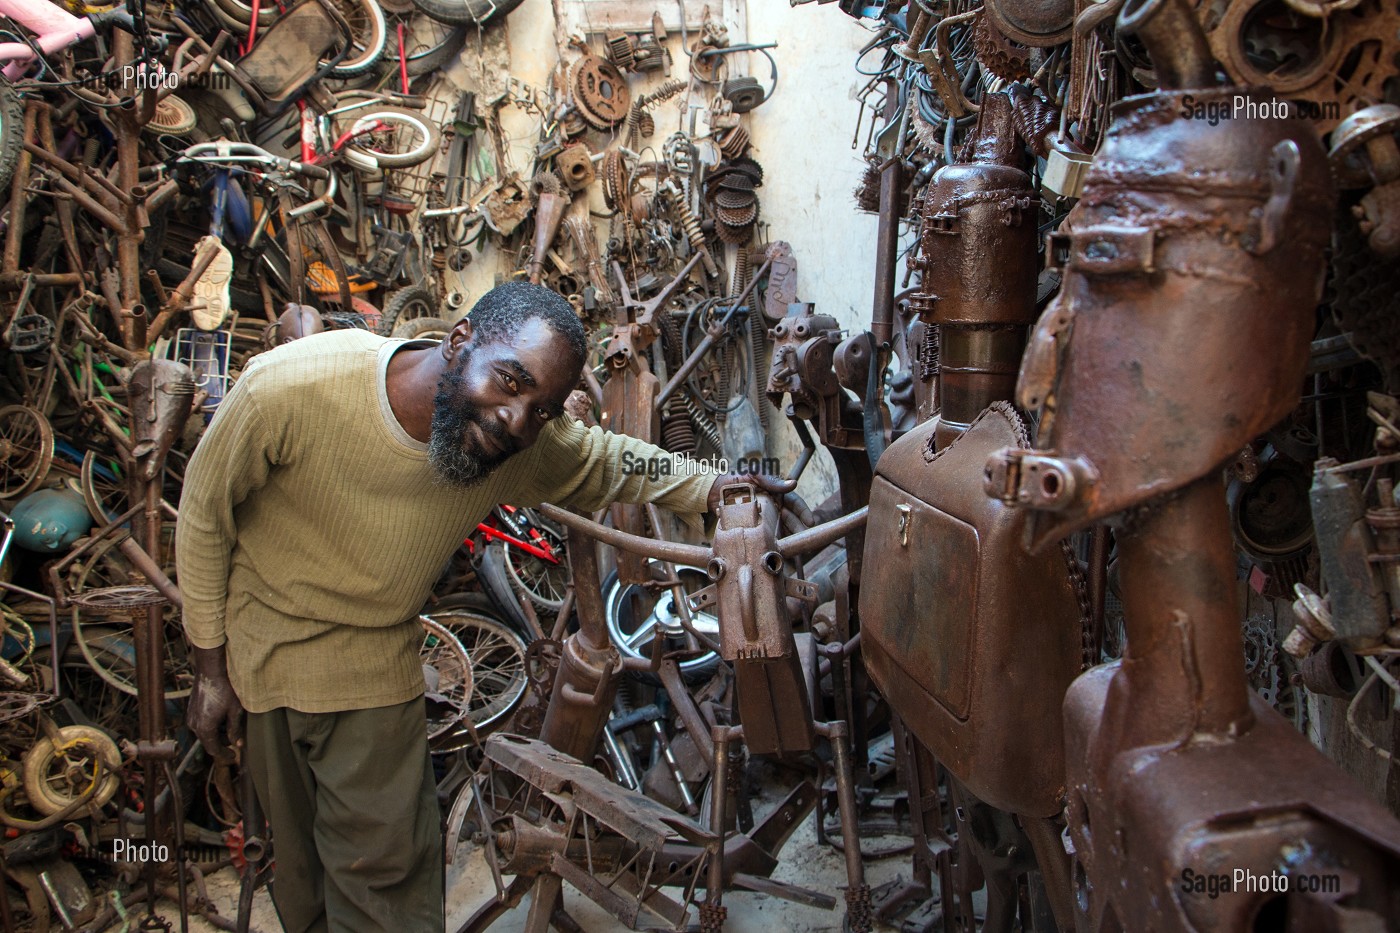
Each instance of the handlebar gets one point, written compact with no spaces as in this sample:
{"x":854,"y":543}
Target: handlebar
{"x":231,"y":152}
{"x":812,"y":539}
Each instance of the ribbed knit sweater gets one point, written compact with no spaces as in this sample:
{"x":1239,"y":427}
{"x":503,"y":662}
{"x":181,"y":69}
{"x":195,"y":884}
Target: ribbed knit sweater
{"x":312,"y":527}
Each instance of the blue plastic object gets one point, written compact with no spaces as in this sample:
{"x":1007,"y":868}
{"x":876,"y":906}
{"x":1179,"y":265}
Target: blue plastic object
{"x":50,"y":520}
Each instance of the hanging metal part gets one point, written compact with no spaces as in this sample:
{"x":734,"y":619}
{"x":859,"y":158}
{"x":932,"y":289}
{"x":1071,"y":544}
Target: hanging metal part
{"x":599,"y":92}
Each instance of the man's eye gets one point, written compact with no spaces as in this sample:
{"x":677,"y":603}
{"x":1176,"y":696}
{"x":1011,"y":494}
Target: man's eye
{"x":543,"y":415}
{"x":509,"y":381}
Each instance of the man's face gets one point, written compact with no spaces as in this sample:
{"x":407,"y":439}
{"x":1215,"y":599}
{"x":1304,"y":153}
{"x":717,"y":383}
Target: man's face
{"x":495,"y":398}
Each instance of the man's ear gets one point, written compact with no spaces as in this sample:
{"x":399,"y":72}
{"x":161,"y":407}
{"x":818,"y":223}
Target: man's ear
{"x":458,"y":337}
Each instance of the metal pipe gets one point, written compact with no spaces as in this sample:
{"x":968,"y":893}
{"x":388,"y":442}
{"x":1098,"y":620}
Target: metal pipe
{"x":1180,"y":53}
{"x":1183,"y":669}
{"x":819,"y":536}
{"x":19,"y":195}
{"x":688,"y":554}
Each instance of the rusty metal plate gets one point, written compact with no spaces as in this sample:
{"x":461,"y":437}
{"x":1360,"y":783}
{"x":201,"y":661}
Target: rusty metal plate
{"x":971,"y":639}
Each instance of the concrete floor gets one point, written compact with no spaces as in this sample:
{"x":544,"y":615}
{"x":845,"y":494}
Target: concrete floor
{"x":469,"y":885}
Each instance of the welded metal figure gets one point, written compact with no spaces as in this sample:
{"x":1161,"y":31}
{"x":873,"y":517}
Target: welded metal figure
{"x":1193,"y":266}
{"x":591,"y":837}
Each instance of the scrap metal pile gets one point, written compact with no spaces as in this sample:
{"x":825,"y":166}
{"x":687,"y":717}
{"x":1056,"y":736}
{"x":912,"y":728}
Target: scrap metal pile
{"x":1116,"y":491}
{"x":1024,"y":630}
{"x":188,"y":185}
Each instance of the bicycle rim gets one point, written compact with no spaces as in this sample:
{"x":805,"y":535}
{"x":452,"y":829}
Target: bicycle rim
{"x":406,"y":139}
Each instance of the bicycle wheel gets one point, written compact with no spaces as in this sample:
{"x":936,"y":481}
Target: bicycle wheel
{"x":427,"y":44}
{"x":447,"y":668}
{"x":407,"y":304}
{"x":369,"y":33}
{"x":497,"y":656}
{"x":26,"y":450}
{"x":467,"y":12}
{"x":111,"y":710}
{"x":545,"y":581}
{"x":637,"y":615}
{"x":395,"y":138}
{"x":100,"y":631}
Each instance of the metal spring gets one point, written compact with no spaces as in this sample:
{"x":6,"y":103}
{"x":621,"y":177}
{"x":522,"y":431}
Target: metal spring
{"x":743,"y":268}
{"x":677,"y":433}
{"x":929,"y":362}
{"x":690,"y":223}
{"x":758,"y":362}
{"x":702,"y":421}
{"x":665,"y":91}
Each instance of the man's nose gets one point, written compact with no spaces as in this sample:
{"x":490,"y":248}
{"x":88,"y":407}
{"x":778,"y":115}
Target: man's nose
{"x":519,"y":425}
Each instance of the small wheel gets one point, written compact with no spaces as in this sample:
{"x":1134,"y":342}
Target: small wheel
{"x":467,"y":12}
{"x":26,"y":450}
{"x":369,"y":33}
{"x":497,"y":656}
{"x":637,"y":615}
{"x":423,"y":328}
{"x":427,"y":44}
{"x":544,"y":581}
{"x":55,"y":777}
{"x":448,"y":670}
{"x":407,"y":304}
{"x":395,"y":138}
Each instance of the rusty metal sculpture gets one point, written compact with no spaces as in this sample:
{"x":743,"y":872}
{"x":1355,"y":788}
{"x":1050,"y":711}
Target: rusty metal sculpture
{"x":774,"y":677}
{"x":1192,"y":244}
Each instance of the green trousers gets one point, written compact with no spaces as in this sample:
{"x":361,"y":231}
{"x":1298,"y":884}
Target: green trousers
{"x":352,"y":804}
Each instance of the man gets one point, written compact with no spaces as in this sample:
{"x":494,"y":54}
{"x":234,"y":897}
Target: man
{"x":337,"y":478}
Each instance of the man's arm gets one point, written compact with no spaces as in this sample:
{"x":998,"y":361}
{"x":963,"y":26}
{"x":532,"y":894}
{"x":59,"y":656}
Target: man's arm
{"x":233,"y":458}
{"x":588,"y":468}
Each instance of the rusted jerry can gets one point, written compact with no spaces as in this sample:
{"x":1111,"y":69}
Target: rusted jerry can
{"x":970,"y":640}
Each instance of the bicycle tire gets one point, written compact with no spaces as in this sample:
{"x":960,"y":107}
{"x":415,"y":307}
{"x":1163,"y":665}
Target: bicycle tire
{"x":497,"y":654}
{"x":11,"y":133}
{"x":424,"y":53}
{"x":407,"y":304}
{"x":423,"y":328}
{"x":467,"y":12}
{"x":422,"y":147}
{"x":617,"y":598}
{"x":237,"y":14}
{"x":363,"y":55}
{"x":96,"y":636}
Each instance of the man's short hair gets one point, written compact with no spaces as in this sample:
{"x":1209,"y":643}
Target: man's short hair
{"x":501,"y":312}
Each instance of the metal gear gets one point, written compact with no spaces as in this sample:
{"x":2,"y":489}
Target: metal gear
{"x":600,"y":92}
{"x":998,"y":53}
{"x":1345,"y":59}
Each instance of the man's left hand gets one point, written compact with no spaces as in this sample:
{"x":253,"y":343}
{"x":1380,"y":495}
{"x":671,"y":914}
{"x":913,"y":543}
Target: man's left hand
{"x":776,"y":486}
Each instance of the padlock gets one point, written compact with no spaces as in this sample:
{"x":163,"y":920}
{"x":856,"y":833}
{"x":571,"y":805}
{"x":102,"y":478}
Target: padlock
{"x":1064,"y":173}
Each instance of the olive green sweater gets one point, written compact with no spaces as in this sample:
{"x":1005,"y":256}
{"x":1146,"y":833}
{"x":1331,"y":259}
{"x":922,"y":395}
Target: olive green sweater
{"x":312,"y":528}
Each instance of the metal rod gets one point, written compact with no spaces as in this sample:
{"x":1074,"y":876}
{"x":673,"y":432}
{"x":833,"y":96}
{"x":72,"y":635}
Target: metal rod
{"x":819,"y":536}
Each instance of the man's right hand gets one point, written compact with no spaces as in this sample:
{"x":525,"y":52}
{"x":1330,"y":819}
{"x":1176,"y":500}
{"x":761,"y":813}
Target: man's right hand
{"x":214,"y":713}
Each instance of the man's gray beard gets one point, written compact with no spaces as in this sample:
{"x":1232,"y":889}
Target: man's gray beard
{"x":453,"y":466}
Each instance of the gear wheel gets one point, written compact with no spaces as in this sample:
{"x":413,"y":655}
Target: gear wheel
{"x":998,"y":53}
{"x":600,"y":92}
{"x":1345,"y":59}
